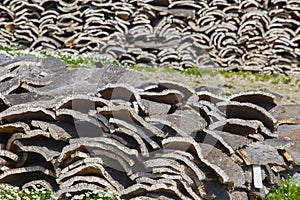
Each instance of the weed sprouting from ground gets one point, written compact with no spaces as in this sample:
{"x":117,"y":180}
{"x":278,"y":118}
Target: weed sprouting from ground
{"x":37,"y":192}
{"x":288,"y":190}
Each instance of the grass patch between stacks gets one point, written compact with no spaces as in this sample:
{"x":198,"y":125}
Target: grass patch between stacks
{"x":288,"y":190}
{"x":37,"y":192}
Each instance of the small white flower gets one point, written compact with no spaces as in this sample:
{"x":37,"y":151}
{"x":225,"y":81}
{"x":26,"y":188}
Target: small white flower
{"x":68,"y":195}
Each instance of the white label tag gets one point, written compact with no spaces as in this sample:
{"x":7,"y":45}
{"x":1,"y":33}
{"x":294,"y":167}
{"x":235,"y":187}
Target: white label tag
{"x":257,"y":179}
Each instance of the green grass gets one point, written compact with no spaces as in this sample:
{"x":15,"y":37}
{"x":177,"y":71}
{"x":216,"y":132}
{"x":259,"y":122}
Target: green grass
{"x":275,"y":81}
{"x":286,"y":80}
{"x":73,"y":60}
{"x":95,"y":195}
{"x":192,"y":71}
{"x":230,"y":75}
{"x":255,"y":76}
{"x":142,"y":68}
{"x":288,"y":190}
{"x":37,"y":192}
{"x":226,"y":94}
{"x":88,"y":60}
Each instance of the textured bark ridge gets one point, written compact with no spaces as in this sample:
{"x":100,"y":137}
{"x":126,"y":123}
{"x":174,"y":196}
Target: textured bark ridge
{"x":75,"y":130}
{"x":244,"y":35}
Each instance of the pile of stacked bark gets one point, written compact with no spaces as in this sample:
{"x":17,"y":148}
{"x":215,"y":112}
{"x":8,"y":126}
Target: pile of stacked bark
{"x":251,"y":35}
{"x":78,"y":130}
